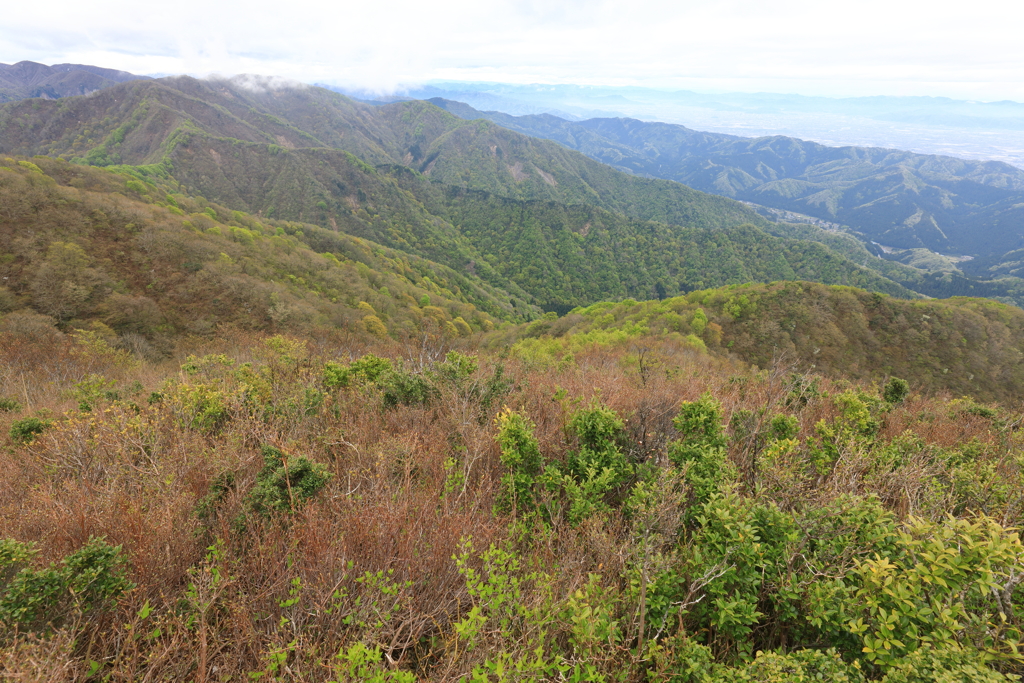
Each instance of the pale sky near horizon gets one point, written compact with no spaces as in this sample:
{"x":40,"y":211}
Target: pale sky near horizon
{"x":792,"y":46}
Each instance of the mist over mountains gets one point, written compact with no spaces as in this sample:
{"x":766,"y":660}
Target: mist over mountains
{"x":927,"y":125}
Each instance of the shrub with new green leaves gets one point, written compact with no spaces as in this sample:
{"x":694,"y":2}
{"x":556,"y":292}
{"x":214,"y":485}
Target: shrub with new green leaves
{"x":702,"y":448}
{"x":784,"y":427}
{"x":27,"y":429}
{"x":367,"y":369}
{"x":199,"y":407}
{"x":802,"y":666}
{"x":14,"y":556}
{"x":855,"y":428}
{"x":948,"y":584}
{"x":520,"y":453}
{"x":285,"y":483}
{"x":9,"y":405}
{"x":598,"y":467}
{"x":457,"y":368}
{"x":738,"y":553}
{"x":896,"y":390}
{"x":399,"y":387}
{"x":944,"y":665}
{"x":90,"y":579}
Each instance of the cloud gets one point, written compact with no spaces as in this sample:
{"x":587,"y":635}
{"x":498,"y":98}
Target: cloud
{"x":261,"y":84}
{"x":870,"y":47}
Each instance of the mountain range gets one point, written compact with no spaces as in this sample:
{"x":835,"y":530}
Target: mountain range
{"x":512,"y":206}
{"x":31,"y":79}
{"x":983,"y":131}
{"x":888,"y":197}
{"x":406,"y":174}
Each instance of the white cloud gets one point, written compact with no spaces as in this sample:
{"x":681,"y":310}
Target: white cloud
{"x":869,"y":47}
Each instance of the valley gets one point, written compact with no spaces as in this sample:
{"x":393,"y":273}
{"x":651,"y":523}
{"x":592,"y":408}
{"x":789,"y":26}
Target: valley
{"x":299,"y":387}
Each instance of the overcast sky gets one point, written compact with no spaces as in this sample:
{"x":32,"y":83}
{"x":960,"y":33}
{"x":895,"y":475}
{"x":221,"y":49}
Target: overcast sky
{"x":870,"y":47}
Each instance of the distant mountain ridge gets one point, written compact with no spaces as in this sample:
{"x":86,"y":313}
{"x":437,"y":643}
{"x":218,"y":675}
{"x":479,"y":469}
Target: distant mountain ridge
{"x":410,"y":176}
{"x":899,"y":199}
{"x":31,"y":79}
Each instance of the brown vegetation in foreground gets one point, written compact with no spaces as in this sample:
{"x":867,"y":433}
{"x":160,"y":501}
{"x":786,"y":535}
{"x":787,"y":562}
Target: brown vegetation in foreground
{"x":384,"y":572}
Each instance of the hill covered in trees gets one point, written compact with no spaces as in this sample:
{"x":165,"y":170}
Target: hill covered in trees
{"x":900,"y":199}
{"x":30,"y":79}
{"x":146,"y":267}
{"x":88,"y":248}
{"x":406,"y":176}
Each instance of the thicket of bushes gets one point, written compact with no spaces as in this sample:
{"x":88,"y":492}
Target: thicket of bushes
{"x":295,"y":509}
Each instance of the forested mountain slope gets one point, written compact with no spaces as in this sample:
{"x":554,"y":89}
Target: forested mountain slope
{"x":31,"y":79}
{"x":897,"y":198}
{"x":416,"y":178}
{"x":84,"y":247}
{"x":967,"y":346}
{"x":140,"y":123}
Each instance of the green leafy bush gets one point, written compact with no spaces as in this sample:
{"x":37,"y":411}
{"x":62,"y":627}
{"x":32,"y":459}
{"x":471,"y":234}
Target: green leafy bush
{"x":896,"y":390}
{"x":520,"y":453}
{"x":802,"y":666}
{"x":90,"y":579}
{"x":943,"y":665}
{"x":285,"y":483}
{"x":599,"y":465}
{"x":702,"y":450}
{"x":27,"y":429}
{"x":367,"y":369}
{"x":947,"y":584}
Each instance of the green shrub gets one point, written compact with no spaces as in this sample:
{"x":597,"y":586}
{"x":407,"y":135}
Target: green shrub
{"x":362,"y":664}
{"x":784,"y":427}
{"x":9,"y":405}
{"x":199,"y":407}
{"x":26,"y":429}
{"x":520,"y":453}
{"x":896,"y":390}
{"x":599,"y":465}
{"x":13,"y":557}
{"x":943,"y":665}
{"x":399,"y":387}
{"x":945,"y":585}
{"x":702,"y":450}
{"x":367,"y":369}
{"x":285,"y":482}
{"x":802,"y":666}
{"x":681,"y":659}
{"x":90,"y":579}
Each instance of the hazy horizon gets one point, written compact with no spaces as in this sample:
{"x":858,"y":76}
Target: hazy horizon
{"x":811,"y":49}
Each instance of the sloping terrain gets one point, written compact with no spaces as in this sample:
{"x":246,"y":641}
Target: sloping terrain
{"x":416,"y":178}
{"x":31,"y":79}
{"x":897,"y":198}
{"x":139,"y":123}
{"x":966,"y":346}
{"x":86,"y":247}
